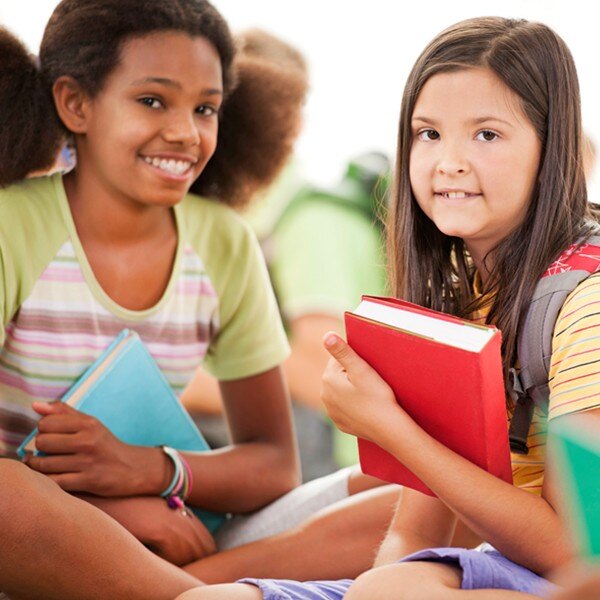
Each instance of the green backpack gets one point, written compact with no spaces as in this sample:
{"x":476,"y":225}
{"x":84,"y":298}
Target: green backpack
{"x":363,"y":189}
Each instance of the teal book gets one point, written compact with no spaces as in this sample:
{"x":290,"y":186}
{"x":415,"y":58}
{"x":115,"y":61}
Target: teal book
{"x":126,"y":391}
{"x":575,"y":449}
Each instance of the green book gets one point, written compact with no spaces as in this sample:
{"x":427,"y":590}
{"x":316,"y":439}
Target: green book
{"x":575,"y":447}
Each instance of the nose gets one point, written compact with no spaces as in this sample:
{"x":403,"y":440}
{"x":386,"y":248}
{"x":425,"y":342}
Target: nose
{"x":182,"y":129}
{"x":452,"y":159}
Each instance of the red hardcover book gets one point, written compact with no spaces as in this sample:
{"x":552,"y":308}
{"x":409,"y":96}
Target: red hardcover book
{"x":446,"y":374}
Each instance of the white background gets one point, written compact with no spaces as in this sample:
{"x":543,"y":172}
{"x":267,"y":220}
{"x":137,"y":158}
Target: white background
{"x":359,"y":55}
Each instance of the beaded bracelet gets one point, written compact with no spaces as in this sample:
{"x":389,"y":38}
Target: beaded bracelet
{"x":179,"y":489}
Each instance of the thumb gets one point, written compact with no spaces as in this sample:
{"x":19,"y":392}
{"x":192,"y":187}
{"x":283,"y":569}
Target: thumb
{"x":340,"y":350}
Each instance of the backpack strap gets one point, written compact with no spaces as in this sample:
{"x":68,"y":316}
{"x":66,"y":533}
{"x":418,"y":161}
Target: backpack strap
{"x":529,"y":386}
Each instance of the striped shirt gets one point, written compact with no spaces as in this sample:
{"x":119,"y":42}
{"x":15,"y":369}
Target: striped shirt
{"x":56,"y":318}
{"x":574,"y":378}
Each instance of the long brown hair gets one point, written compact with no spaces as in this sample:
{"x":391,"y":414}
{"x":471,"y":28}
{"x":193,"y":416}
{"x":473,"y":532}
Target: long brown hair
{"x":434,"y":270}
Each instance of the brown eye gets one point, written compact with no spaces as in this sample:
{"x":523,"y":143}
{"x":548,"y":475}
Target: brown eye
{"x":150,"y":102}
{"x":487,"y":136}
{"x":206,"y":111}
{"x":428,"y":135}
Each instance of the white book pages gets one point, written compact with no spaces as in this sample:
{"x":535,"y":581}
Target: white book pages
{"x":459,"y":335}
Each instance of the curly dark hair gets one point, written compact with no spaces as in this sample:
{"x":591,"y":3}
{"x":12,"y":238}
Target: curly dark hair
{"x":84,"y":39}
{"x":31,"y":134}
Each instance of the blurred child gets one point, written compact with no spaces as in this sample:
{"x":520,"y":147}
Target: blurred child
{"x":323,"y":249}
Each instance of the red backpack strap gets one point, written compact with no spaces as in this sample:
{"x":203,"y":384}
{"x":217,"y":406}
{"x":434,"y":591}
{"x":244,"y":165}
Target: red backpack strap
{"x":577,"y":258}
{"x":530,"y":384}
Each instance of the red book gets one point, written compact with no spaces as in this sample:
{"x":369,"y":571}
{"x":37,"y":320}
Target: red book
{"x":446,"y":374}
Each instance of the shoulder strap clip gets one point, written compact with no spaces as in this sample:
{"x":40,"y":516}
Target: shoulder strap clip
{"x":521,"y":417}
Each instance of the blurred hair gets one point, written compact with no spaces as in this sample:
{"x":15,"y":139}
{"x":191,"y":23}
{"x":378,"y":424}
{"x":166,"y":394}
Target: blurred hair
{"x":261,"y":120}
{"x":589,"y":155}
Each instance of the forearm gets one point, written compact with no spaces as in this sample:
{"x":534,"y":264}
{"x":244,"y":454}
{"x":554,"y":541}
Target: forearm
{"x":305,"y":366}
{"x":519,"y":524}
{"x":243,"y":477}
{"x":239,"y":478}
{"x":303,"y":374}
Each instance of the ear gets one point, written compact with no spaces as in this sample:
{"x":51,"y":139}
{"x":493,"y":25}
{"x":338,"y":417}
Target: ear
{"x":72,"y":103}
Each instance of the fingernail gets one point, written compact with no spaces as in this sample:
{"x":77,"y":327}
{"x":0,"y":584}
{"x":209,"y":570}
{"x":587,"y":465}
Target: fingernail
{"x":331,"y":340}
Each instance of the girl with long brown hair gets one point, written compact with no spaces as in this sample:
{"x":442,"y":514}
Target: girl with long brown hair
{"x":489,"y":192}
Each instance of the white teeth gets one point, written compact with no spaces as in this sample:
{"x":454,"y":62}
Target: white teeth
{"x":456,"y":195}
{"x":176,"y":167}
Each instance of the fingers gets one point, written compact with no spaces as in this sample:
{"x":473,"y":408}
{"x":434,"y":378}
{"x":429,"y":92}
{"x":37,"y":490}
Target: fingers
{"x":53,"y":408}
{"x":58,"y":417}
{"x":52,"y":464}
{"x":342,"y":352}
{"x":204,"y":537}
{"x":60,"y":424}
{"x":70,"y":482}
{"x":63,"y":470}
{"x":58,"y":443}
{"x":186,"y":542}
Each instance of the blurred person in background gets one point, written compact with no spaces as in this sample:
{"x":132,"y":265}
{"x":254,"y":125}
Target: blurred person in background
{"x":324,"y":249}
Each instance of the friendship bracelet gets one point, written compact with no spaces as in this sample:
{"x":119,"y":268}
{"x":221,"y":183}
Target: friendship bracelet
{"x":189,"y":480}
{"x":173,"y":455}
{"x":181,"y":484}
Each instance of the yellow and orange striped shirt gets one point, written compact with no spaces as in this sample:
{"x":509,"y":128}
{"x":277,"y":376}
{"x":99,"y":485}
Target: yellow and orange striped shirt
{"x":574,"y":378}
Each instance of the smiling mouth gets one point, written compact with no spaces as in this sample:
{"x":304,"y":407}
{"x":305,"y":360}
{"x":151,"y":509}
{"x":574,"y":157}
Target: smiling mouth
{"x":171,"y":166}
{"x":456,"y":195}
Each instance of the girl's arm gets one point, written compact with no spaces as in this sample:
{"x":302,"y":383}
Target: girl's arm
{"x":522,"y":526}
{"x":419,"y":522}
{"x":262,"y":462}
{"x":260,"y":465}
{"x":519,"y":524}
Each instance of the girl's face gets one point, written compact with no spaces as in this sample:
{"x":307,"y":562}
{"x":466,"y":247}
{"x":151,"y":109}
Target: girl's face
{"x":474,"y":157}
{"x":153,"y":127}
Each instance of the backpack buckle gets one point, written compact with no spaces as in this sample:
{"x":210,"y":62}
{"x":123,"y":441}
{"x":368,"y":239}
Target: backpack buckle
{"x":515,"y":389}
{"x":521,"y":417}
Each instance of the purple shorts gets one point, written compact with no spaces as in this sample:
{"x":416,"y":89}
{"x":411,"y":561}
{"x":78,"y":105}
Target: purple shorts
{"x":482,"y":569}
{"x":486,"y":568}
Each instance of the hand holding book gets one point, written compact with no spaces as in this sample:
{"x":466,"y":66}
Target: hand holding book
{"x":444,"y":373}
{"x":82,"y":455}
{"x":357,"y":399}
{"x":110,"y":445}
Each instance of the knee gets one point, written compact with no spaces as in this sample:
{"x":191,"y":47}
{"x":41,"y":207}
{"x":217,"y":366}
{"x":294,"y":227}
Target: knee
{"x":373,"y":585}
{"x":227,"y":591}
{"x":401,"y":581}
{"x":15,"y":476}
{"x":23,"y":492}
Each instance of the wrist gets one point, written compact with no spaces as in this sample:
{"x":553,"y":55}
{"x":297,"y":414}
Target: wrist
{"x":153,"y":473}
{"x":178,"y":490}
{"x":399,"y":435}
